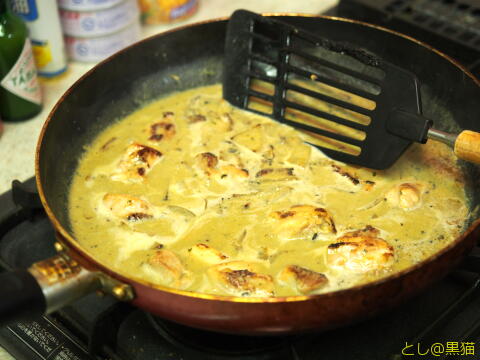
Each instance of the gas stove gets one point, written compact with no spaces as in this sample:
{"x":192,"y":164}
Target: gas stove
{"x":451,"y":26}
{"x":442,"y":322}
{"x":97,"y":327}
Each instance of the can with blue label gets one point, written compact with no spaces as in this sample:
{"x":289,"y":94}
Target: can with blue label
{"x":99,"y":22}
{"x":86,"y":5}
{"x":94,"y":49}
{"x":43,"y":21}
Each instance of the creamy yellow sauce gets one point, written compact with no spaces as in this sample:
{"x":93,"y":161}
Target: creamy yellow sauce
{"x":263,"y":170}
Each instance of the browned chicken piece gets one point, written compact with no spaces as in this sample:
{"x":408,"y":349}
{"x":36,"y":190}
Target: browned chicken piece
{"x":304,"y":220}
{"x":168,"y":264}
{"x":276,"y":174}
{"x":240,"y":278}
{"x":207,"y":254}
{"x":406,"y":196}
{"x":163,"y":130}
{"x":304,"y":280}
{"x":135,"y":164}
{"x":127,"y":207}
{"x":360,"y":251}
{"x":208,"y":163}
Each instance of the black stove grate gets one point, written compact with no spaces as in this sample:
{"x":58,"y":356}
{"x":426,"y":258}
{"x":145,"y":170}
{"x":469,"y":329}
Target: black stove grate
{"x":452,"y":26}
{"x":102,"y":328}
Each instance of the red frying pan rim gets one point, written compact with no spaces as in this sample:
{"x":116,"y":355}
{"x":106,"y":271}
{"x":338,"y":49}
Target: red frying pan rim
{"x":73,"y":244}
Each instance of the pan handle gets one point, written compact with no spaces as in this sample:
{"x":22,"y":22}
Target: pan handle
{"x":45,"y":287}
{"x":21,"y":298}
{"x":467,"y":146}
{"x":50,"y":284}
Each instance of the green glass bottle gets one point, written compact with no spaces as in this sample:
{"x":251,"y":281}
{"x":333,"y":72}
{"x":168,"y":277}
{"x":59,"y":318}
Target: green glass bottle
{"x":20,"y":93}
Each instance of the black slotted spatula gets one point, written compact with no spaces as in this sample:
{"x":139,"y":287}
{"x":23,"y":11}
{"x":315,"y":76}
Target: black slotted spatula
{"x":354,"y":106}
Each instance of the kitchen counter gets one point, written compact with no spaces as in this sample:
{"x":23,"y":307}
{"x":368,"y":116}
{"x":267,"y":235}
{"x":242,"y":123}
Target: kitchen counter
{"x":18,"y":142}
{"x":17,"y":145}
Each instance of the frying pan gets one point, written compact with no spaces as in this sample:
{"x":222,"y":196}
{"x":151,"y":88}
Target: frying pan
{"x":142,"y":73}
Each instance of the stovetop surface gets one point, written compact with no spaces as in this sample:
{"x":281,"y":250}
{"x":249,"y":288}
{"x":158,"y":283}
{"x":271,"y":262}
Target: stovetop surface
{"x":98,"y":327}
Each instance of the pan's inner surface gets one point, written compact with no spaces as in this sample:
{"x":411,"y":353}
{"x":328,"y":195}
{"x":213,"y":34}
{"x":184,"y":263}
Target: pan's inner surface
{"x":194,"y":194}
{"x":128,"y":81}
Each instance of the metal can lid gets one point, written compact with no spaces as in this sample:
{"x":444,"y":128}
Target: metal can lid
{"x":87,"y":5}
{"x":98,"y":23}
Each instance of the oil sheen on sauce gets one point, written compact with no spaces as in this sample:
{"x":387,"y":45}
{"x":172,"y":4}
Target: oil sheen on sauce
{"x":191,"y":193}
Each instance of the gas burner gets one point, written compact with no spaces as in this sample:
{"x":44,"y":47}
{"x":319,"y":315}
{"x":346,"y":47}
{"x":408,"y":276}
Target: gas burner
{"x":102,"y":328}
{"x":195,"y":341}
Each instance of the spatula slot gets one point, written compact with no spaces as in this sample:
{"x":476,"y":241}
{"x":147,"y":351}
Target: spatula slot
{"x":296,"y":114}
{"x":268,"y":30}
{"x":259,"y":105}
{"x":313,"y":84}
{"x":328,"y":99}
{"x":260,"y":96}
{"x":265,"y":51}
{"x":329,"y":143}
{"x":319,"y":104}
{"x":263,"y":70}
{"x":324,"y":115}
{"x":353,"y":81}
{"x":324,"y":132}
{"x":365,"y":99}
{"x":263,"y":59}
{"x":342,"y":54}
{"x":261,"y":86}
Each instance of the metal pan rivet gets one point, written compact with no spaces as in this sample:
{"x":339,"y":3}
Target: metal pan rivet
{"x":120,"y":291}
{"x":59,"y":247}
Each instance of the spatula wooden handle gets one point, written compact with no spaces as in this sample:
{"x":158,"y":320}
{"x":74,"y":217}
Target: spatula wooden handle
{"x":467,"y":146}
